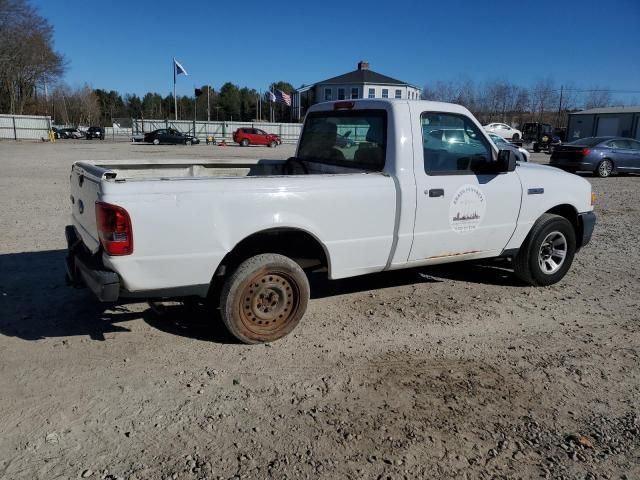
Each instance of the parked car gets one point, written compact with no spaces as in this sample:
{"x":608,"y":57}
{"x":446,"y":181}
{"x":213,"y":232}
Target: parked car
{"x":539,"y":136}
{"x":255,"y":136}
{"x":239,"y":234}
{"x":95,"y":132}
{"x":600,"y":155}
{"x":503,"y":130}
{"x":501,"y":143}
{"x":169,"y":136}
{"x":73,"y":133}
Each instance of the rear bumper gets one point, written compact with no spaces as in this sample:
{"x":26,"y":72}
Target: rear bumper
{"x":573,"y":163}
{"x":586,"y":222}
{"x":86,"y":270}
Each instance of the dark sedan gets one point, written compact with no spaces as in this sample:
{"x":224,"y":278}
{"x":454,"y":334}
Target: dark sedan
{"x":600,"y":155}
{"x":169,"y":136}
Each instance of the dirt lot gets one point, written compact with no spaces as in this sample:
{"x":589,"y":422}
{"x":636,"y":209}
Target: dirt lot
{"x":455,"y":372}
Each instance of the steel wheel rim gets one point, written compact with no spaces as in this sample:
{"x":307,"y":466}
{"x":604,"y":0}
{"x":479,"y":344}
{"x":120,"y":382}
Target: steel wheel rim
{"x":269,"y":302}
{"x":605,"y":168}
{"x":552,"y":253}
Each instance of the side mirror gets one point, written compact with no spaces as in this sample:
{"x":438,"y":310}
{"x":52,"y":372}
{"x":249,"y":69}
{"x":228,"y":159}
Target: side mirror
{"x":506,"y":161}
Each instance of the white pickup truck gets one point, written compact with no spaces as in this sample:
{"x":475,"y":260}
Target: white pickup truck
{"x":420,"y":183}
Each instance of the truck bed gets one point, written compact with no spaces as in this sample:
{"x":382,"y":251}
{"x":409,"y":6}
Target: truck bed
{"x":125,"y":170}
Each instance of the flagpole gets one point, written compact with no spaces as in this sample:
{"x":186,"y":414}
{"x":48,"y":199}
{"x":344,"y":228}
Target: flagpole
{"x":175,"y":99}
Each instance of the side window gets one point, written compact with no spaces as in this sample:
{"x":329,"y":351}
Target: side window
{"x":452,"y":144}
{"x":634,"y":144}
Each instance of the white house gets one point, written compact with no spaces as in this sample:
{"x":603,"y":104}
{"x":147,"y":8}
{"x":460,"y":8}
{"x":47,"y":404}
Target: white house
{"x":360,"y":83}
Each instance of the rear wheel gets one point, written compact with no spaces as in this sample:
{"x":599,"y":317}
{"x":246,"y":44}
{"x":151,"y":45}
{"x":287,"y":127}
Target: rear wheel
{"x":515,"y":137}
{"x":156,"y":141}
{"x":605,"y":167}
{"x":264,"y":298}
{"x":245,"y":142}
{"x":548,"y":251}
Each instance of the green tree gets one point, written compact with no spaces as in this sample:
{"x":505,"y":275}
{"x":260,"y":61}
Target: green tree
{"x":229,"y":101}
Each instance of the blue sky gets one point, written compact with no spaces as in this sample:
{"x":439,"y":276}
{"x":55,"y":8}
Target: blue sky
{"x":128,"y":45}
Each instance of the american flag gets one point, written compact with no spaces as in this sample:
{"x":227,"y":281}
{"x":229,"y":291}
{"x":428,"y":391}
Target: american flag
{"x":282,"y":97}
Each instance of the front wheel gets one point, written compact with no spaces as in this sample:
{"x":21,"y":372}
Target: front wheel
{"x":548,"y":251}
{"x":188,"y":142}
{"x":156,"y":141}
{"x":272,"y":144}
{"x":605,"y":167}
{"x":515,"y":137}
{"x":264,"y":299}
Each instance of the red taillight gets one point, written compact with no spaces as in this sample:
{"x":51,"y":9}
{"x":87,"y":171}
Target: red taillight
{"x":584,"y":152}
{"x":114,"y":229}
{"x":343,"y":105}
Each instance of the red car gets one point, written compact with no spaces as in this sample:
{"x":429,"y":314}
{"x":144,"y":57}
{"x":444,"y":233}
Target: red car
{"x":255,"y":136}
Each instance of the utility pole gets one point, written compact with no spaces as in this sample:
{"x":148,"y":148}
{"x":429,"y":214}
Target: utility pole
{"x":560,"y":105}
{"x":208,"y":106}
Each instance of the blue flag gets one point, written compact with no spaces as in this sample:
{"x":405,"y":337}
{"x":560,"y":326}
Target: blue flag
{"x":179,"y":68}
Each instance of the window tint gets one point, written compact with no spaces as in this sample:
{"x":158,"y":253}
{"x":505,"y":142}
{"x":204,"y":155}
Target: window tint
{"x":635,"y":145}
{"x":260,"y":132}
{"x":453,"y":144}
{"x":355,"y":139}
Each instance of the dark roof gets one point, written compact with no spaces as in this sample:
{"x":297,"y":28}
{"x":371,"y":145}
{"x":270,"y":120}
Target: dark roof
{"x":364,"y":76}
{"x":609,"y":110}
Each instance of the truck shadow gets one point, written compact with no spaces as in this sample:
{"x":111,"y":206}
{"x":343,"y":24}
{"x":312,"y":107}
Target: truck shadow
{"x":35,"y":302}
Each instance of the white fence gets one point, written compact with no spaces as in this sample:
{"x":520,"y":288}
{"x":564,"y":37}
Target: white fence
{"x":288,"y":132}
{"x":24,"y":127}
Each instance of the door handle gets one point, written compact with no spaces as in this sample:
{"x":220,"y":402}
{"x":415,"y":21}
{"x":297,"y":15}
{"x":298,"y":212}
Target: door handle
{"x":435,"y":192}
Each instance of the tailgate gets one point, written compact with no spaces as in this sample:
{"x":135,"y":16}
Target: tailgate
{"x":85,"y":190}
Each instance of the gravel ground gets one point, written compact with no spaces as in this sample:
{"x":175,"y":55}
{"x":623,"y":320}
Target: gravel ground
{"x":450,"y":372}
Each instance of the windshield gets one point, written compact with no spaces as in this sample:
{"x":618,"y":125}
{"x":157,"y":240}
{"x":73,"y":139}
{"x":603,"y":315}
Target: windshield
{"x":587,"y":142}
{"x":325,"y":134}
{"x":530,"y":128}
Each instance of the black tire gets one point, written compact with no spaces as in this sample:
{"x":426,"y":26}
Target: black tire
{"x":515,"y":137}
{"x":188,"y":142}
{"x":264,"y":299}
{"x":245,"y":142}
{"x":273,"y":144}
{"x":536,"y":147}
{"x":604,"y":168}
{"x":529,"y":264}
{"x":156,"y":141}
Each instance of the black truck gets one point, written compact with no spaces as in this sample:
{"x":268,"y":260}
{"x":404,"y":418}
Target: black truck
{"x":539,"y":136}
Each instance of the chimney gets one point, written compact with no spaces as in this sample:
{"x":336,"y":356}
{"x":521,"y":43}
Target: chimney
{"x":363,"y":65}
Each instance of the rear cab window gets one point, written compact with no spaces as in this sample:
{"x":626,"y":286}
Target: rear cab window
{"x":355,"y":139}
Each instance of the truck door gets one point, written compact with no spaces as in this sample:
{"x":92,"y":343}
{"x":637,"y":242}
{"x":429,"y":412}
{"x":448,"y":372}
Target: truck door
{"x":459,"y":213}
